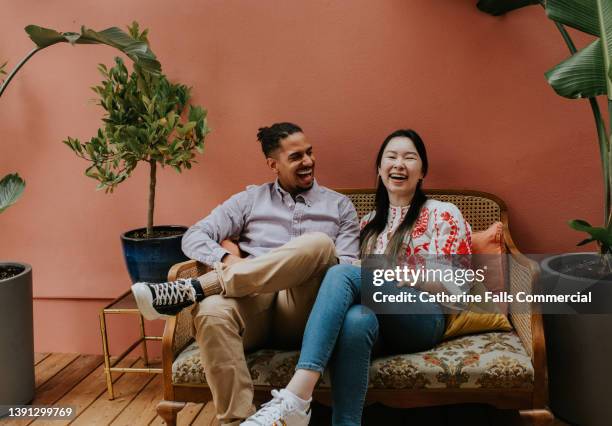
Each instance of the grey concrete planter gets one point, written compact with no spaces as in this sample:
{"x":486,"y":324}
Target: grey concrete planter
{"x":579,"y":351}
{"x":16,"y":338}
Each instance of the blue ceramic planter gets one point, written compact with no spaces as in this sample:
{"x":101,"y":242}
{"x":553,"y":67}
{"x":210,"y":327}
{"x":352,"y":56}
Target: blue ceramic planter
{"x":150,"y":260}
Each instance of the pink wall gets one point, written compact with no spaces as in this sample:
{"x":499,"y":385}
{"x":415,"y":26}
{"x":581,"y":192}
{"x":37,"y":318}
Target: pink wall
{"x":348,"y":72}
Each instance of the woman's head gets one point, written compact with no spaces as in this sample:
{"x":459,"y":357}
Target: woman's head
{"x":401,"y":165}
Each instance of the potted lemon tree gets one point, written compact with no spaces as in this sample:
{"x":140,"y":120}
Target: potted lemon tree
{"x":149,"y":120}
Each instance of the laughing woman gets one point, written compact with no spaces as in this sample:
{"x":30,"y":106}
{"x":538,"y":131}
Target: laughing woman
{"x":405,"y":222}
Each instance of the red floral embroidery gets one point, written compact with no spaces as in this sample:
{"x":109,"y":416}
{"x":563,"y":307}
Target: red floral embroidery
{"x":421,"y":224}
{"x":464,"y":247}
{"x":454,"y":229}
{"x":422,"y":248}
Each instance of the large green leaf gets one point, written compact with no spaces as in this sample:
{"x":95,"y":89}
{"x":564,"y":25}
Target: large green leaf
{"x":11,"y":188}
{"x":600,"y":234}
{"x":579,"y":14}
{"x":138,"y":51}
{"x":500,"y":7}
{"x":604,"y":9}
{"x":582,"y":75}
{"x":587,"y":73}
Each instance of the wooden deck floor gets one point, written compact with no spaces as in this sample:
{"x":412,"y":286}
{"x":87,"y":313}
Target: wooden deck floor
{"x":78,"y":380}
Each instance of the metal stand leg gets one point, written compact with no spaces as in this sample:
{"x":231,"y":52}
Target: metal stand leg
{"x":144,"y":341}
{"x":107,"y":371}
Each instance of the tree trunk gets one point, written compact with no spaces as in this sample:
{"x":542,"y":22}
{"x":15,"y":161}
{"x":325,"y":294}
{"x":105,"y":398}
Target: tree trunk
{"x":152,"y":183}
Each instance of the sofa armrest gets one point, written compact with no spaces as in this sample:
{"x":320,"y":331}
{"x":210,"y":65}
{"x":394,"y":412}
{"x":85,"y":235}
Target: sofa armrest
{"x":179,"y":329}
{"x":523,"y":276}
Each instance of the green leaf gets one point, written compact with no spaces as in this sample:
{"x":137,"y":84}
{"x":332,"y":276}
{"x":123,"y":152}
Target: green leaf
{"x":187,"y":127}
{"x":579,"y":14}
{"x":137,"y":50}
{"x":604,"y":9}
{"x":587,"y":241}
{"x":600,"y":234}
{"x":582,"y":75}
{"x":43,"y":37}
{"x":500,"y":7}
{"x":11,"y":188}
{"x":579,"y":224}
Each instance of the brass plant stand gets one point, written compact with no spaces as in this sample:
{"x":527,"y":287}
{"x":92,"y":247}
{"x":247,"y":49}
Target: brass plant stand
{"x":124,"y":304}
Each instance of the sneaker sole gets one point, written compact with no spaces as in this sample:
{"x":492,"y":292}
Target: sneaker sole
{"x":144,"y":301}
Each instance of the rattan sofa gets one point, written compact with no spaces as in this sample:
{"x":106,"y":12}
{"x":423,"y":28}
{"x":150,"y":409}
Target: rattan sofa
{"x":506,"y":370}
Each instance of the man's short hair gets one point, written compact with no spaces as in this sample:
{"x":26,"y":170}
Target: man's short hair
{"x":270,"y":137}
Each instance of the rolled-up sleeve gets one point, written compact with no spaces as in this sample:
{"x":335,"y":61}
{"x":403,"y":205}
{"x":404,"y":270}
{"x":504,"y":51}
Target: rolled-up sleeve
{"x":347,"y":241}
{"x":201,"y":241}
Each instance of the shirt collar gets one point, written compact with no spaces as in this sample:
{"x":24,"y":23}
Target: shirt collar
{"x":309,"y":196}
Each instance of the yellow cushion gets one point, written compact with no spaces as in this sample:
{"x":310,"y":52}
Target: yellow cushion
{"x":469,"y":321}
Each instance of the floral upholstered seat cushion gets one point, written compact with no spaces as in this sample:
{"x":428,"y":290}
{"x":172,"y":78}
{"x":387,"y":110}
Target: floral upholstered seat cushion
{"x":487,"y":360}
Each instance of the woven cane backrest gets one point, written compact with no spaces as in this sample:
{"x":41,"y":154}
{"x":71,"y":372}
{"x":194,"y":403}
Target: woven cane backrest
{"x":478,"y":209}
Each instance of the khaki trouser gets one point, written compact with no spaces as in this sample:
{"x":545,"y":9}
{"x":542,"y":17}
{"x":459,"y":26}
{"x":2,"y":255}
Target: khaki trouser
{"x":268,"y":295}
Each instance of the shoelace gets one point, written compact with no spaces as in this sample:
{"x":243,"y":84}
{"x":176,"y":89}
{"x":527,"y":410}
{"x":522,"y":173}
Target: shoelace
{"x":272,"y":411}
{"x":171,"y":293}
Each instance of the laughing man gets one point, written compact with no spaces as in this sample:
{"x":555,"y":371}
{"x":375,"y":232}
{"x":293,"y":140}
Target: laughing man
{"x":291,"y":230}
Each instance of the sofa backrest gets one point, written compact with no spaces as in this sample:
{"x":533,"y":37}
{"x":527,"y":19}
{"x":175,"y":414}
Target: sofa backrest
{"x":480,"y":209}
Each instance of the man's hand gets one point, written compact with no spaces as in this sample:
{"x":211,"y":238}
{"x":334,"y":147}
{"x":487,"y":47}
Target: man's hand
{"x":230,"y":259}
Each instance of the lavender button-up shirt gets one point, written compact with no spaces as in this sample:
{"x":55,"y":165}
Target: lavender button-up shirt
{"x":265,"y":217}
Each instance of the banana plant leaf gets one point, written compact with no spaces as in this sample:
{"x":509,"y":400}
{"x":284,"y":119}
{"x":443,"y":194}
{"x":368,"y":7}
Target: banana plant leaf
{"x":578,"y":14}
{"x":138,"y":51}
{"x":587,"y":73}
{"x":11,"y":188}
{"x":501,"y":7}
{"x":582,"y":75}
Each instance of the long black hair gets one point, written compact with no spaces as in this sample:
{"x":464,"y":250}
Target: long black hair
{"x":371,"y":231}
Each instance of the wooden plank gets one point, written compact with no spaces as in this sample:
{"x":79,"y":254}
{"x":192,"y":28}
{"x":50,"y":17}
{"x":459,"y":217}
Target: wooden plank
{"x":86,"y":392}
{"x":142,"y":410}
{"x":103,"y":411}
{"x":206,"y":417}
{"x":60,"y":383}
{"x":51,"y":365}
{"x":39,"y":356}
{"x":185,"y":416}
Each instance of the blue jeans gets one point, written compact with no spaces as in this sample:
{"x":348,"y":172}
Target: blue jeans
{"x":343,"y":331}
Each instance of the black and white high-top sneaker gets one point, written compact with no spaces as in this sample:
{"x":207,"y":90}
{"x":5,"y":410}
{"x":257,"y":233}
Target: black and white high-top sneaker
{"x":162,"y":300}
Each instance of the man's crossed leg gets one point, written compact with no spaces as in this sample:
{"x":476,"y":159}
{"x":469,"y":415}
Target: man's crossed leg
{"x":240,"y":307}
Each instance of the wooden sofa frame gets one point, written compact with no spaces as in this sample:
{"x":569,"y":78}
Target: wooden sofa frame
{"x":523,"y":275}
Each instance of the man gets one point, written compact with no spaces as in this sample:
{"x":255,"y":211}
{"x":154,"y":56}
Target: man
{"x":292,"y":230}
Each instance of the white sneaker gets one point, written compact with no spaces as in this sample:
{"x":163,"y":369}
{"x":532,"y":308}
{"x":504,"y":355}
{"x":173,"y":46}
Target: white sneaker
{"x":282,"y":410}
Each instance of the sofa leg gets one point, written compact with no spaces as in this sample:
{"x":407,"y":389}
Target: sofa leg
{"x":168,"y":410}
{"x":541,"y":417}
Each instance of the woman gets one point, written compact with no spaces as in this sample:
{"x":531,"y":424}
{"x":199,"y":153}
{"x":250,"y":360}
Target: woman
{"x":404,"y":223}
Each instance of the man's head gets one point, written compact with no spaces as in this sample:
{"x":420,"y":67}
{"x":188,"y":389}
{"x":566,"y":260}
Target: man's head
{"x":289,"y":155}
